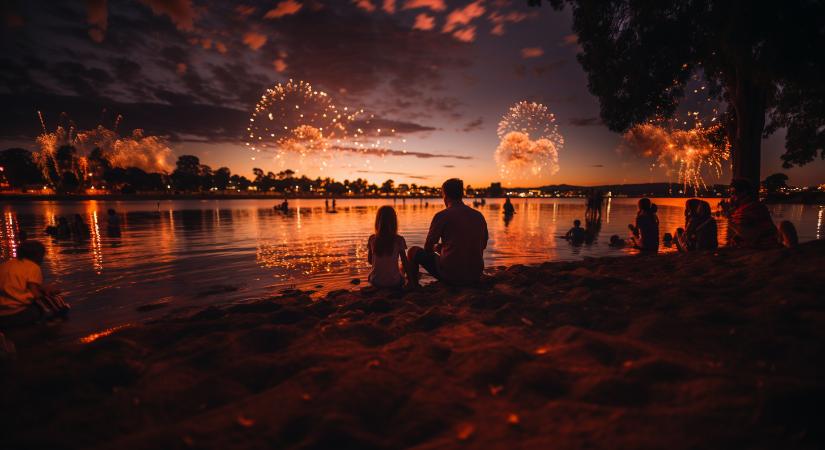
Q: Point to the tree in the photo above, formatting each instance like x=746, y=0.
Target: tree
x=773, y=183
x=259, y=174
x=241, y=183
x=69, y=183
x=221, y=178
x=66, y=157
x=187, y=175
x=97, y=163
x=336, y=188
x=386, y=187
x=765, y=59
x=205, y=175
x=19, y=167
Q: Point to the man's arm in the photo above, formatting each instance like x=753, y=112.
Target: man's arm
x=486, y=236
x=433, y=236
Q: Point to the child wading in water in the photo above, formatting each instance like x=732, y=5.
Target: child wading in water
x=385, y=248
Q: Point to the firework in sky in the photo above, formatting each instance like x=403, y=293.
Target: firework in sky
x=529, y=144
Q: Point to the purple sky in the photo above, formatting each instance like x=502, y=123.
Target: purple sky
x=443, y=71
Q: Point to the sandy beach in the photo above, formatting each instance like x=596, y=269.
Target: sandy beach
x=719, y=350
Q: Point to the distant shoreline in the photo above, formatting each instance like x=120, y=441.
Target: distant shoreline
x=276, y=197
x=815, y=199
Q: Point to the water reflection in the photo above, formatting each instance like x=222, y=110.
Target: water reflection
x=177, y=249
x=8, y=249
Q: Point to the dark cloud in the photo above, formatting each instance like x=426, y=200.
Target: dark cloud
x=179, y=122
x=173, y=55
x=125, y=69
x=399, y=174
x=448, y=166
x=391, y=152
x=473, y=125
x=597, y=165
x=584, y=121
x=538, y=70
x=83, y=80
x=349, y=51
x=389, y=127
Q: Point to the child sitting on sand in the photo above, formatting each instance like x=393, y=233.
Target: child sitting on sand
x=23, y=298
x=385, y=248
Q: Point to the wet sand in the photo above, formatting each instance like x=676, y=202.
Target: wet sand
x=717, y=350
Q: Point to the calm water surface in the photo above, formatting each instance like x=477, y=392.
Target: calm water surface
x=186, y=253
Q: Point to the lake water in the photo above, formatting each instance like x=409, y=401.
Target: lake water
x=187, y=253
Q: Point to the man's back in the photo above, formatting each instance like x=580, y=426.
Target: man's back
x=463, y=233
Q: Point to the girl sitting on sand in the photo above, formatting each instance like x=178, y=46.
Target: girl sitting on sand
x=385, y=248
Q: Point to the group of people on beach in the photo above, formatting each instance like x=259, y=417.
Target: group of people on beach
x=454, y=247
x=749, y=225
x=453, y=251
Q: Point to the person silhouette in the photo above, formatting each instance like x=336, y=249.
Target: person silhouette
x=509, y=209
x=454, y=249
x=576, y=235
x=645, y=232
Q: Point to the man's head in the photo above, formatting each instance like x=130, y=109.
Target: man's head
x=741, y=190
x=31, y=250
x=644, y=204
x=453, y=191
x=577, y=223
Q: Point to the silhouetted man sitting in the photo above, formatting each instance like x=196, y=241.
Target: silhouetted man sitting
x=455, y=243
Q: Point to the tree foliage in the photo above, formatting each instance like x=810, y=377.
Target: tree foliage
x=775, y=182
x=765, y=59
x=20, y=168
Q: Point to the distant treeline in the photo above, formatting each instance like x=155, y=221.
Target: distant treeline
x=68, y=173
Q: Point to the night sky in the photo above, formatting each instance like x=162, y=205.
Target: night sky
x=441, y=72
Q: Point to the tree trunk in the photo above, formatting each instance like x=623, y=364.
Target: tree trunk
x=749, y=100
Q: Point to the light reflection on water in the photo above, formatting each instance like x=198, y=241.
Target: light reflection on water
x=195, y=252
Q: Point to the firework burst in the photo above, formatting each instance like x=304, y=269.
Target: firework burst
x=688, y=147
x=146, y=152
x=529, y=143
x=293, y=118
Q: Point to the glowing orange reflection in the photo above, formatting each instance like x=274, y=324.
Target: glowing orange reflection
x=95, y=336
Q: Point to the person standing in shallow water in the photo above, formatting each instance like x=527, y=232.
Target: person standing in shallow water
x=385, y=249
x=509, y=209
x=454, y=249
x=646, y=229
